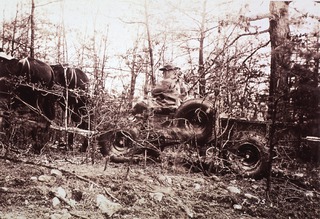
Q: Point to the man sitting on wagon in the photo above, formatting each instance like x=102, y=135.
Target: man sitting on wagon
x=168, y=93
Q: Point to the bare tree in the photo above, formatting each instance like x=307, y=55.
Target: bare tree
x=14, y=31
x=280, y=58
x=150, y=48
x=32, y=37
x=134, y=60
x=201, y=73
x=62, y=53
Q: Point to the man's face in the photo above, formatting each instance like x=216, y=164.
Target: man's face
x=168, y=73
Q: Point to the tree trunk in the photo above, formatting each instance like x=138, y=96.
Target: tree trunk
x=280, y=64
x=14, y=31
x=132, y=83
x=60, y=28
x=32, y=30
x=146, y=82
x=201, y=73
x=153, y=80
x=104, y=59
x=280, y=59
x=59, y=45
x=65, y=46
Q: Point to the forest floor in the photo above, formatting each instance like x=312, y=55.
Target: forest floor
x=61, y=185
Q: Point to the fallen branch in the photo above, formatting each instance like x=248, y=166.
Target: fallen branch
x=122, y=159
x=313, y=138
x=84, y=132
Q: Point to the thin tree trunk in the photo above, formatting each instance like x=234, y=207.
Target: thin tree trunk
x=65, y=46
x=66, y=117
x=153, y=80
x=32, y=30
x=59, y=45
x=104, y=59
x=146, y=82
x=3, y=29
x=59, y=35
x=14, y=31
x=317, y=62
x=201, y=73
x=132, y=83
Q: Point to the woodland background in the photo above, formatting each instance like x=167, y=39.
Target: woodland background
x=255, y=60
x=224, y=48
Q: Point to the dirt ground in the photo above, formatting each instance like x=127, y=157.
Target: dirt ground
x=67, y=185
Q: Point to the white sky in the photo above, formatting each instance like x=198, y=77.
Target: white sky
x=82, y=14
x=85, y=15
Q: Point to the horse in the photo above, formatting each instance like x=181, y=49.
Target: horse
x=76, y=81
x=26, y=82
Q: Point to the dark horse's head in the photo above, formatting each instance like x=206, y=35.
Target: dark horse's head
x=28, y=79
x=75, y=78
x=76, y=81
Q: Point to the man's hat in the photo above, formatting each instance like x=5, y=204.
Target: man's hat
x=168, y=68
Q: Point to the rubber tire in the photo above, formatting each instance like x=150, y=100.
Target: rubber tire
x=191, y=111
x=249, y=155
x=119, y=141
x=123, y=140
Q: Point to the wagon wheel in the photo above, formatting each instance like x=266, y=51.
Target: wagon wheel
x=200, y=116
x=123, y=141
x=249, y=155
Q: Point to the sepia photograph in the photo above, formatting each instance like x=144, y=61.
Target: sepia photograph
x=159, y=109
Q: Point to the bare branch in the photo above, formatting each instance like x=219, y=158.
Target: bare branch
x=238, y=37
x=131, y=22
x=258, y=17
x=264, y=45
x=44, y=4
